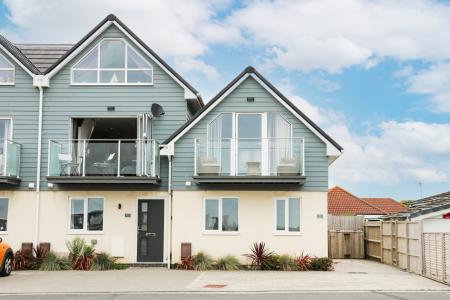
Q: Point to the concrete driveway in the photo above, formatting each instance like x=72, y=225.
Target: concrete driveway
x=350, y=275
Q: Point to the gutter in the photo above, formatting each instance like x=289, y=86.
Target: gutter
x=170, y=210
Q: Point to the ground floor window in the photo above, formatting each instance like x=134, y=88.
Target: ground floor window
x=86, y=214
x=221, y=214
x=287, y=215
x=3, y=214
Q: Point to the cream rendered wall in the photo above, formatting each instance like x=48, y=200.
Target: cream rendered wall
x=54, y=219
x=21, y=217
x=256, y=223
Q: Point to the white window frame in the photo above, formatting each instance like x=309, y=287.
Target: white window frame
x=5, y=232
x=98, y=69
x=13, y=68
x=219, y=231
x=286, y=216
x=5, y=142
x=85, y=216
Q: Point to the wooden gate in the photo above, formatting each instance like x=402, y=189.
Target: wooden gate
x=346, y=236
x=436, y=256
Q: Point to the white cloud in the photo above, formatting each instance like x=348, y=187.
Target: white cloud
x=175, y=29
x=333, y=35
x=435, y=82
x=400, y=151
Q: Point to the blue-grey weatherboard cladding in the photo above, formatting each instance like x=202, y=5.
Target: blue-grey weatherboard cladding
x=316, y=162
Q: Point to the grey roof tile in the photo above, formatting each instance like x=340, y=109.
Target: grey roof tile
x=43, y=56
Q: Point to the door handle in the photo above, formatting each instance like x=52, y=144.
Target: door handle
x=150, y=234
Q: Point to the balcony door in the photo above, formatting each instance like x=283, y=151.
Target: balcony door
x=251, y=144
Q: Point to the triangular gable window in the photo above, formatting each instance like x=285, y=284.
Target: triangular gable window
x=111, y=62
x=7, y=71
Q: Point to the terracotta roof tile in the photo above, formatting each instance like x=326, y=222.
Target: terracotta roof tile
x=388, y=205
x=342, y=202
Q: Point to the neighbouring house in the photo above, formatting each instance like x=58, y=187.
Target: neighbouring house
x=341, y=202
x=433, y=212
x=104, y=140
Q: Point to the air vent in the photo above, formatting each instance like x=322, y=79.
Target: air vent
x=111, y=108
x=250, y=99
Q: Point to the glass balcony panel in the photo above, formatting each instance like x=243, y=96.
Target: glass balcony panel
x=9, y=158
x=103, y=158
x=249, y=157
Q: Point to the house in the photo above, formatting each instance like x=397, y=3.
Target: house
x=433, y=212
x=104, y=140
x=342, y=202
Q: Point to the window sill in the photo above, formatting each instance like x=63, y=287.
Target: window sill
x=85, y=232
x=3, y=232
x=111, y=84
x=231, y=233
x=8, y=84
x=287, y=233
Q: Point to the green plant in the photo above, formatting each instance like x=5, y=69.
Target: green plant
x=103, y=261
x=120, y=266
x=40, y=253
x=81, y=254
x=53, y=262
x=303, y=262
x=202, y=262
x=260, y=257
x=321, y=264
x=286, y=263
x=228, y=263
x=187, y=263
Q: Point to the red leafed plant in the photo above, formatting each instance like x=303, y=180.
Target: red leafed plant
x=260, y=257
x=40, y=253
x=23, y=260
x=303, y=262
x=187, y=263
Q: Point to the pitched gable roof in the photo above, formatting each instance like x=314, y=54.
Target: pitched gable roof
x=250, y=71
x=342, y=202
x=19, y=56
x=388, y=205
x=105, y=23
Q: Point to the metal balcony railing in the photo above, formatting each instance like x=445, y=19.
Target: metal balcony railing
x=95, y=157
x=250, y=157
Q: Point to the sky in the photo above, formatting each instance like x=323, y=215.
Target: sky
x=375, y=75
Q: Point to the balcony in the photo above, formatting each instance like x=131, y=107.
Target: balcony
x=9, y=162
x=103, y=161
x=249, y=161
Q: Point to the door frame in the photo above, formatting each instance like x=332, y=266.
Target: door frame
x=166, y=249
x=264, y=144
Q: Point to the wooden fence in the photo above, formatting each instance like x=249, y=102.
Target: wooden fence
x=396, y=243
x=346, y=236
x=436, y=256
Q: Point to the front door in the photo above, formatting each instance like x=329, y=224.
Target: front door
x=150, y=236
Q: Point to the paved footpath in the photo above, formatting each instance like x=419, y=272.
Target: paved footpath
x=374, y=279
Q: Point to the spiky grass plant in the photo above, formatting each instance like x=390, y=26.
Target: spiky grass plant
x=202, y=262
x=80, y=254
x=228, y=263
x=103, y=261
x=287, y=263
x=53, y=262
x=260, y=257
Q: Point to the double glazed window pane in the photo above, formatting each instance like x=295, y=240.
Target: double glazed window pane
x=222, y=211
x=281, y=218
x=294, y=214
x=288, y=218
x=3, y=214
x=212, y=214
x=112, y=54
x=230, y=214
x=112, y=76
x=95, y=214
x=77, y=214
x=92, y=220
x=144, y=76
x=6, y=76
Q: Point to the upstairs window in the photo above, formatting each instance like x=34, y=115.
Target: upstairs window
x=111, y=62
x=7, y=71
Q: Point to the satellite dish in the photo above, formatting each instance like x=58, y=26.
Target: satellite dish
x=157, y=110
